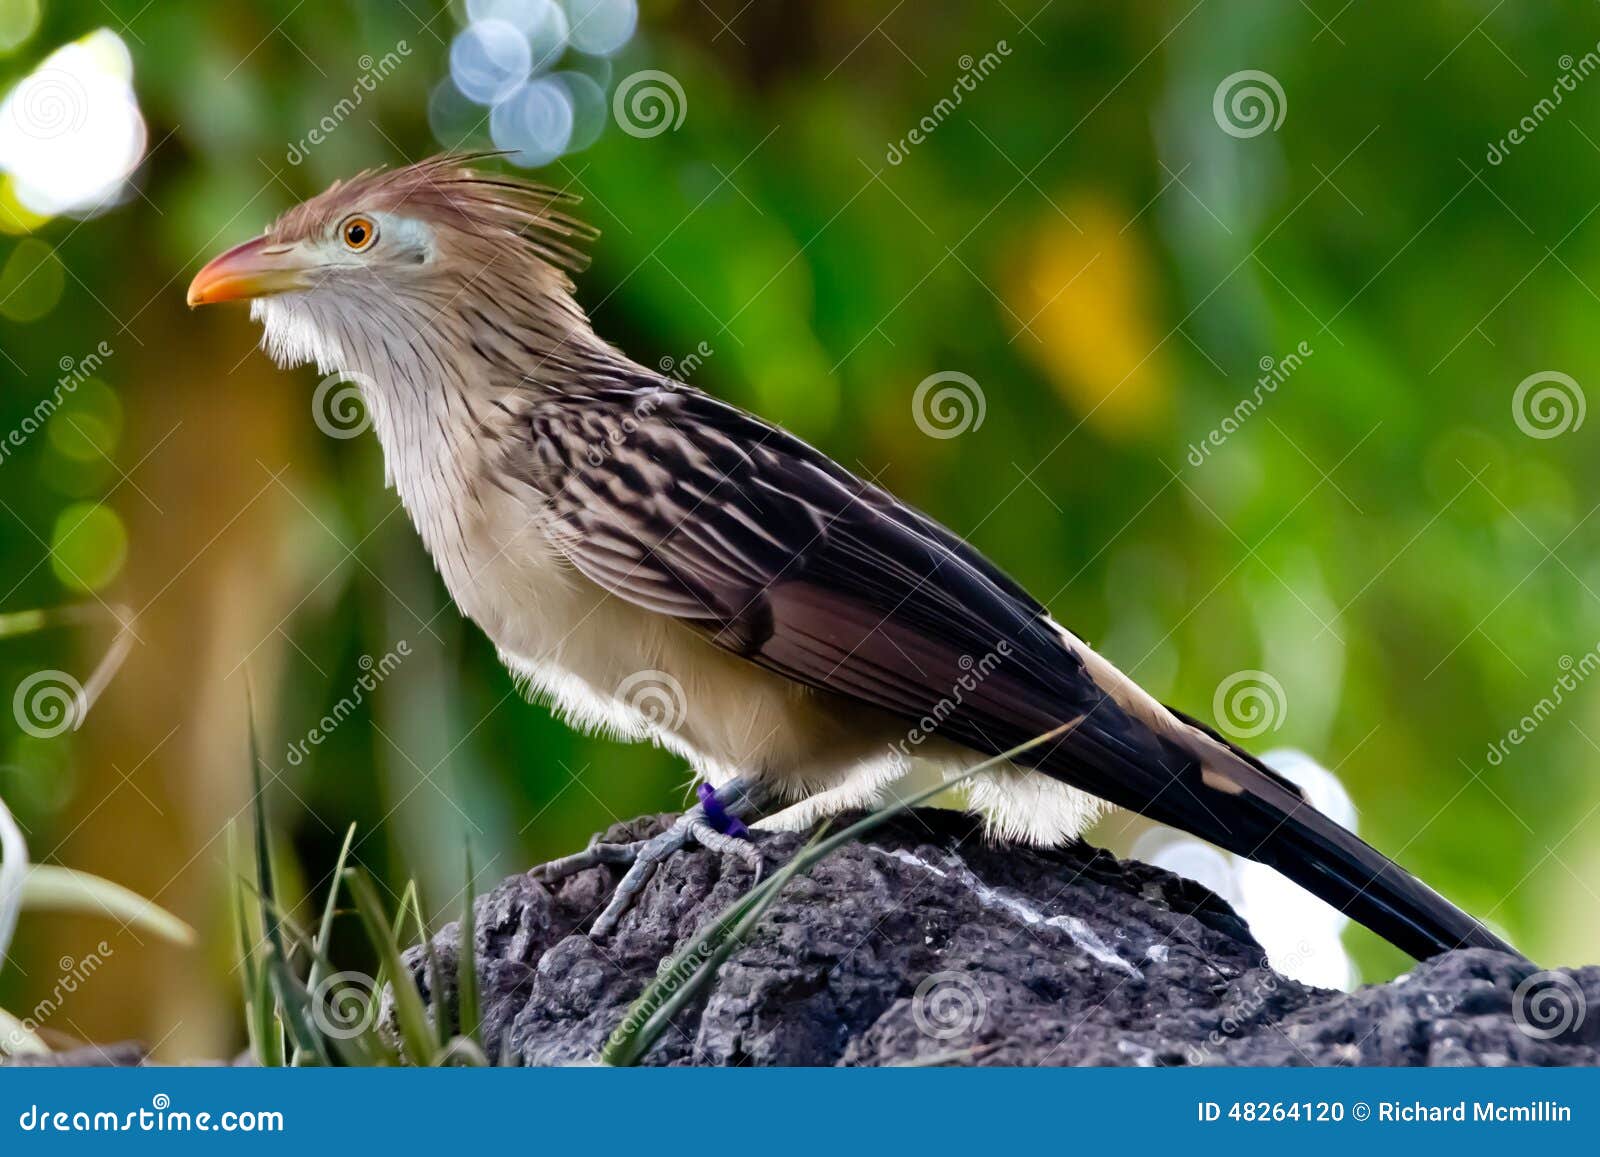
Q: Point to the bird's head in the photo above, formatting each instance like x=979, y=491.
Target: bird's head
x=397, y=254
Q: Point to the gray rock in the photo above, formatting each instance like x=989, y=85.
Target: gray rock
x=125, y=1054
x=925, y=944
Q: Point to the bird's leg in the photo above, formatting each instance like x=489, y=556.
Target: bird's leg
x=717, y=823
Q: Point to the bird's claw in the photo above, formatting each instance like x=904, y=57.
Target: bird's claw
x=643, y=857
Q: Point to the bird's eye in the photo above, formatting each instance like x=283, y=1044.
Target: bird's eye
x=359, y=233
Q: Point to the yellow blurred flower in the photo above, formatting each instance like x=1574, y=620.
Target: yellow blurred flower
x=1081, y=310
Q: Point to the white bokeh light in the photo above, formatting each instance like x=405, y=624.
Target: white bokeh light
x=71, y=131
x=541, y=67
x=602, y=27
x=547, y=38
x=589, y=110
x=524, y=14
x=489, y=59
x=1301, y=934
x=535, y=122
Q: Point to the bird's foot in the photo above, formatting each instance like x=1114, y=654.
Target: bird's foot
x=712, y=824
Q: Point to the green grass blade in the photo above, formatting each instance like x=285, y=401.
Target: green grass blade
x=319, y=948
x=409, y=905
x=468, y=1016
x=410, y=1011
x=690, y=970
x=359, y=1047
x=54, y=888
x=244, y=946
x=265, y=889
x=435, y=975
x=294, y=1009
x=294, y=1014
x=270, y=1048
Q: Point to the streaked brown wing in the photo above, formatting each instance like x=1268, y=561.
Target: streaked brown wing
x=702, y=512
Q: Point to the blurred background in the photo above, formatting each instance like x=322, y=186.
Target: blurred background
x=1254, y=339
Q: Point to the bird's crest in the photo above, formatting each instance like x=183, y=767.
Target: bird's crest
x=451, y=190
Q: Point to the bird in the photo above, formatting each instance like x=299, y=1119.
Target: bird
x=601, y=521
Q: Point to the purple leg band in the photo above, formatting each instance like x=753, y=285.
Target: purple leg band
x=717, y=815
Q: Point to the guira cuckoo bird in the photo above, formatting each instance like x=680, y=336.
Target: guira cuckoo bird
x=598, y=519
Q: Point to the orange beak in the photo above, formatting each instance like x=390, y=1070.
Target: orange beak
x=254, y=269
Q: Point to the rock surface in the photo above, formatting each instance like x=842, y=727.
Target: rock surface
x=125, y=1054
x=923, y=944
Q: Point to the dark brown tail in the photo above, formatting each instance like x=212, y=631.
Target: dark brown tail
x=1225, y=795
x=1295, y=838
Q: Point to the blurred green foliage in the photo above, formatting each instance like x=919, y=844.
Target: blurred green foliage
x=1078, y=235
